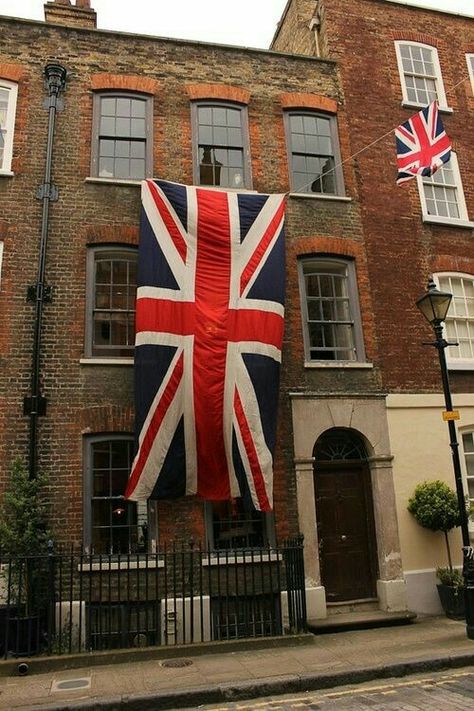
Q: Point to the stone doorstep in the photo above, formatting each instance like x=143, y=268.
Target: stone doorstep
x=365, y=619
x=44, y=664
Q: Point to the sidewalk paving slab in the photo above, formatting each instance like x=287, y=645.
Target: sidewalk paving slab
x=240, y=672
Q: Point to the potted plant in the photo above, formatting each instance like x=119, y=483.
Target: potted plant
x=435, y=506
x=23, y=548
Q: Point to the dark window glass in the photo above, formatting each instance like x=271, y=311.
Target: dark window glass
x=122, y=137
x=330, y=318
x=114, y=525
x=313, y=164
x=220, y=145
x=113, y=307
x=235, y=528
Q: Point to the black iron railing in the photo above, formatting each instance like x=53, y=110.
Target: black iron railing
x=68, y=602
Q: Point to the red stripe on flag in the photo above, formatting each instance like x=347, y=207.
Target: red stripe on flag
x=169, y=221
x=259, y=253
x=154, y=426
x=254, y=325
x=165, y=316
x=212, y=290
x=252, y=456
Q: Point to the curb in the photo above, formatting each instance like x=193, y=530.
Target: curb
x=41, y=665
x=265, y=686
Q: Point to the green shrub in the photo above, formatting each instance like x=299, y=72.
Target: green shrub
x=23, y=515
x=452, y=577
x=435, y=506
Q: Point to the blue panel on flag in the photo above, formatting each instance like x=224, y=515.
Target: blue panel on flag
x=176, y=195
x=249, y=209
x=271, y=282
x=153, y=269
x=171, y=484
x=265, y=376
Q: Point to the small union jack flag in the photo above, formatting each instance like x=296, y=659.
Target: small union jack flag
x=422, y=144
x=209, y=330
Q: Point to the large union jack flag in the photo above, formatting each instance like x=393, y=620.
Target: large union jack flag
x=422, y=144
x=209, y=329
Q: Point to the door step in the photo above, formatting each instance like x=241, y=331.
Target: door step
x=362, y=620
x=341, y=608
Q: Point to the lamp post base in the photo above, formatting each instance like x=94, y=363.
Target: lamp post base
x=468, y=573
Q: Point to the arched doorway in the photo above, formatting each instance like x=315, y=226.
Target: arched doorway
x=344, y=515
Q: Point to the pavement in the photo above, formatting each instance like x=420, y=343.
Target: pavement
x=188, y=677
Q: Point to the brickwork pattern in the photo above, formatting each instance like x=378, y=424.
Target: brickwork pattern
x=91, y=399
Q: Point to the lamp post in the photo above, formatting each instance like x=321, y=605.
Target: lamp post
x=434, y=305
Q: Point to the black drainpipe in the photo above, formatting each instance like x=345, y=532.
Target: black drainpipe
x=35, y=405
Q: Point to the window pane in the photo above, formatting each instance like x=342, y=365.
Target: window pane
x=235, y=528
x=107, y=126
x=123, y=117
x=138, y=108
x=107, y=107
x=106, y=167
x=123, y=107
x=205, y=115
x=312, y=157
x=330, y=327
x=219, y=127
x=113, y=520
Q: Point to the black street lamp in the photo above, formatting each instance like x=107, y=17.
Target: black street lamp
x=434, y=305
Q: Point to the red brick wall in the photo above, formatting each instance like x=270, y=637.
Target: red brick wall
x=401, y=250
x=92, y=399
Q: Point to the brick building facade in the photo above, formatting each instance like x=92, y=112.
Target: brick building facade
x=394, y=59
x=354, y=373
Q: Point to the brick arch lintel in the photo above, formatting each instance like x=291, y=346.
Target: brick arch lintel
x=123, y=234
x=316, y=244
x=451, y=263
x=420, y=37
x=124, y=82
x=222, y=92
x=106, y=418
x=11, y=72
x=299, y=100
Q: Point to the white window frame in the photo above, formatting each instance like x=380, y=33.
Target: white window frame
x=470, y=68
x=466, y=430
x=246, y=154
x=336, y=153
x=97, y=135
x=145, y=511
x=463, y=219
x=89, y=354
x=5, y=165
x=354, y=307
x=455, y=363
x=438, y=78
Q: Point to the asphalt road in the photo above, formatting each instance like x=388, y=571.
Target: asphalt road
x=444, y=691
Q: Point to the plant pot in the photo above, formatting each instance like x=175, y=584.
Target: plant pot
x=23, y=636
x=452, y=601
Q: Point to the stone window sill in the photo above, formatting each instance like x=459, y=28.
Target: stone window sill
x=418, y=107
x=106, y=361
x=6, y=174
x=113, y=181
x=321, y=196
x=448, y=221
x=338, y=364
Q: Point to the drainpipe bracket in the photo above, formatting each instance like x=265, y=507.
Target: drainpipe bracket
x=34, y=405
x=56, y=102
x=48, y=190
x=39, y=292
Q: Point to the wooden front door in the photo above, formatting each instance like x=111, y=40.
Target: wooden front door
x=346, y=535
